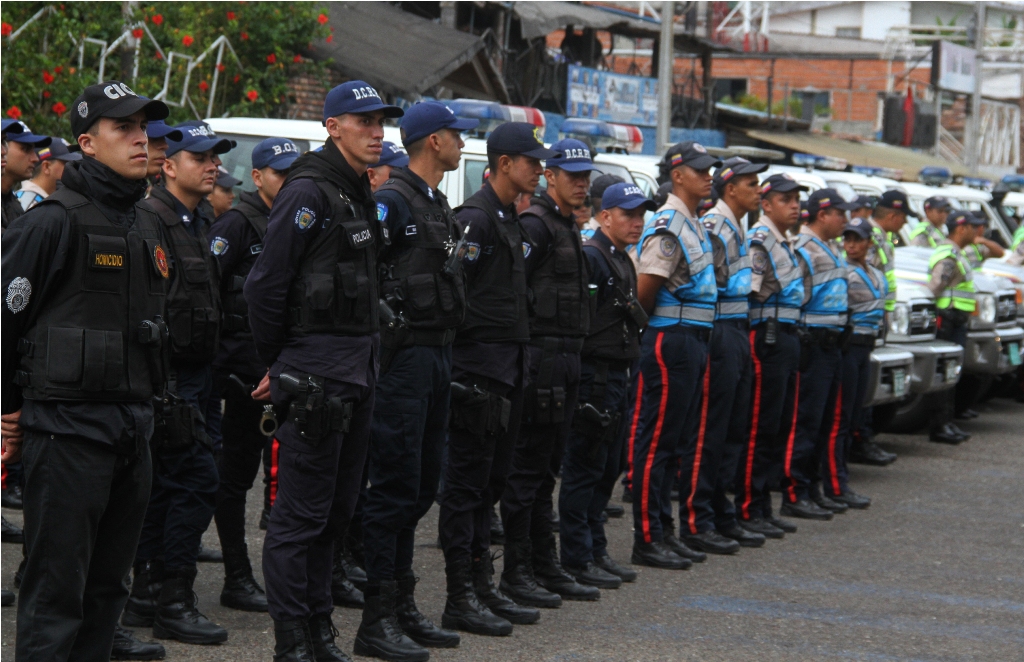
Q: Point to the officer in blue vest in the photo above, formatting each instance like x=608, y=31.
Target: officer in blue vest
x=866, y=293
x=824, y=318
x=709, y=517
x=676, y=285
x=776, y=294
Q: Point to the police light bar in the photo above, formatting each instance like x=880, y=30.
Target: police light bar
x=935, y=176
x=977, y=182
x=1014, y=182
x=604, y=135
x=492, y=113
x=878, y=171
x=811, y=161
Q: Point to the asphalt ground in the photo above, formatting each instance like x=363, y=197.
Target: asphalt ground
x=934, y=570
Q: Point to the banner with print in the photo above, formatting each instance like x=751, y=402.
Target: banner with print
x=611, y=97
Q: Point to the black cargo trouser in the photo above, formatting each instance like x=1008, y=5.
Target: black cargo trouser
x=84, y=507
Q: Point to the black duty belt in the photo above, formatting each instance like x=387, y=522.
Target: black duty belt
x=862, y=340
x=824, y=336
x=558, y=344
x=741, y=324
x=431, y=337
x=701, y=332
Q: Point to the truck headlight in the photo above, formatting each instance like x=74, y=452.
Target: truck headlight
x=987, y=308
x=899, y=320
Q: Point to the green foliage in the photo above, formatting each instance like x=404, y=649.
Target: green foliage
x=42, y=76
x=753, y=102
x=795, y=107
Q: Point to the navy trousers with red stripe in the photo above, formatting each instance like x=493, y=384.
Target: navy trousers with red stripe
x=817, y=422
x=856, y=373
x=771, y=421
x=708, y=471
x=314, y=488
x=672, y=365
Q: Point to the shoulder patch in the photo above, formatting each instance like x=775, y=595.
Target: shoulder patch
x=304, y=218
x=219, y=246
x=668, y=246
x=662, y=219
x=382, y=212
x=527, y=249
x=160, y=261
x=758, y=261
x=18, y=294
x=472, y=251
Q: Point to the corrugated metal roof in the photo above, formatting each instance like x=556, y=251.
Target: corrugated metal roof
x=857, y=153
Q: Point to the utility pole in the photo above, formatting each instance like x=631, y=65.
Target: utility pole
x=127, y=52
x=666, y=59
x=974, y=147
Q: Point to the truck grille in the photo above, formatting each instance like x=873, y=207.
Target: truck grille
x=922, y=319
x=1006, y=308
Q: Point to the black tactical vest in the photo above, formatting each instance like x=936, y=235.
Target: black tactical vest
x=86, y=344
x=558, y=284
x=335, y=290
x=614, y=333
x=235, y=312
x=193, y=300
x=496, y=299
x=427, y=294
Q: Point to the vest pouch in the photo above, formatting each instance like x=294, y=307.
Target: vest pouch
x=569, y=309
x=195, y=273
x=107, y=260
x=353, y=284
x=447, y=295
x=102, y=360
x=566, y=261
x=545, y=303
x=174, y=424
x=421, y=292
x=470, y=409
x=64, y=355
x=318, y=301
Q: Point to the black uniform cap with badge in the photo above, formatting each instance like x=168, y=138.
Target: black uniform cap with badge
x=896, y=200
x=112, y=99
x=734, y=167
x=518, y=139
x=827, y=198
x=688, y=153
x=781, y=182
x=961, y=217
x=860, y=227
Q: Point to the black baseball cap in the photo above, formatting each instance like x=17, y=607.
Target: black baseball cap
x=111, y=99
x=11, y=126
x=730, y=168
x=938, y=202
x=893, y=199
x=601, y=184
x=858, y=226
x=17, y=131
x=780, y=183
x=826, y=198
x=688, y=153
x=161, y=129
x=198, y=137
x=864, y=202
x=58, y=150
x=961, y=217
x=516, y=138
x=225, y=180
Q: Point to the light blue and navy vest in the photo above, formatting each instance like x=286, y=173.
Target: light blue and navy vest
x=866, y=316
x=828, y=305
x=692, y=303
x=785, y=304
x=733, y=297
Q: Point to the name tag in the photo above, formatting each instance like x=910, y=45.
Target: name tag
x=256, y=249
x=108, y=260
x=361, y=238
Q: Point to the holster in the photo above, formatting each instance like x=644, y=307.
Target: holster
x=479, y=412
x=805, y=347
x=176, y=423
x=312, y=413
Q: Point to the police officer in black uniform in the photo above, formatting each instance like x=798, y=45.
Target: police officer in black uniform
x=84, y=276
x=184, y=470
x=487, y=375
x=236, y=240
x=314, y=313
x=21, y=160
x=422, y=283
x=559, y=319
x=593, y=455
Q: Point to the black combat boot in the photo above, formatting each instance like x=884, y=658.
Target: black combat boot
x=140, y=609
x=343, y=592
x=415, y=624
x=127, y=647
x=463, y=611
x=379, y=634
x=492, y=598
x=291, y=642
x=345, y=558
x=240, y=588
x=177, y=616
x=518, y=582
x=551, y=575
x=321, y=636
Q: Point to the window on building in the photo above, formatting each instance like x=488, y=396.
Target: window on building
x=848, y=33
x=733, y=88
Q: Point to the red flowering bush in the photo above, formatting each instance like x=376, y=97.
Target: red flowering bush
x=187, y=40
x=59, y=108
